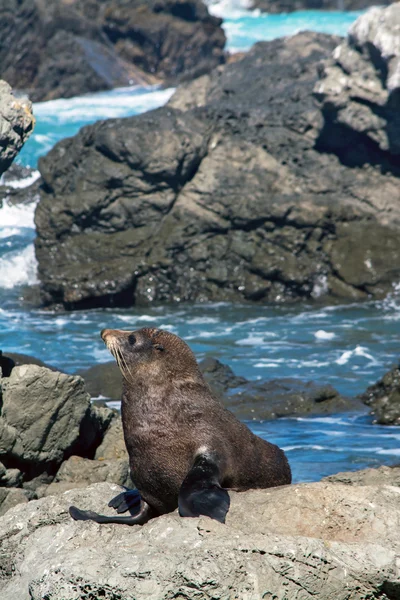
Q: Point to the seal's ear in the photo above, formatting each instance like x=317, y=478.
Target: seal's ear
x=159, y=347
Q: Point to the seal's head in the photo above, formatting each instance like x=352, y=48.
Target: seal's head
x=151, y=352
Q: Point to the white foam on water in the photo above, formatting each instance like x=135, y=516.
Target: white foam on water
x=328, y=420
x=321, y=334
x=101, y=355
x=60, y=322
x=9, y=232
x=393, y=451
x=17, y=215
x=103, y=105
x=230, y=8
x=202, y=321
x=113, y=404
x=333, y=432
x=251, y=340
x=23, y=183
x=18, y=268
x=312, y=447
x=358, y=351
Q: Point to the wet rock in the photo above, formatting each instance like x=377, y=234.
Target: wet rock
x=380, y=476
x=326, y=540
x=286, y=397
x=226, y=194
x=219, y=377
x=6, y=366
x=384, y=398
x=9, y=360
x=103, y=381
x=45, y=417
x=16, y=124
x=63, y=49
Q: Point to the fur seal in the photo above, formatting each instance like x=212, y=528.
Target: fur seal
x=185, y=449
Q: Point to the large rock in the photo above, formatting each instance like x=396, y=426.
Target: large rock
x=360, y=93
x=16, y=124
x=384, y=398
x=225, y=195
x=46, y=417
x=319, y=540
x=62, y=49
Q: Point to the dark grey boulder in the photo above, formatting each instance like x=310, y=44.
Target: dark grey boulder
x=383, y=398
x=226, y=194
x=63, y=49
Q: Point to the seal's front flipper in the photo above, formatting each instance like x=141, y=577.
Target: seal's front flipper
x=144, y=514
x=201, y=493
x=128, y=500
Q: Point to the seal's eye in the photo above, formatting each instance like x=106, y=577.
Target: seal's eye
x=132, y=339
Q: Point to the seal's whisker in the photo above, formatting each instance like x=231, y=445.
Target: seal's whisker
x=126, y=366
x=121, y=362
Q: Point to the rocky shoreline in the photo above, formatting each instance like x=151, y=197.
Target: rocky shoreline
x=53, y=438
x=304, y=541
x=230, y=193
x=340, y=535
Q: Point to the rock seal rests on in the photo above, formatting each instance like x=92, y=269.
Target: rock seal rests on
x=185, y=449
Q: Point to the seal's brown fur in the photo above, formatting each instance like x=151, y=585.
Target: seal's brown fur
x=170, y=416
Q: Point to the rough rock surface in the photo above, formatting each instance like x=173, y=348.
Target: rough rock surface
x=360, y=93
x=305, y=541
x=16, y=124
x=381, y=476
x=279, y=6
x=63, y=48
x=46, y=417
x=229, y=193
x=384, y=398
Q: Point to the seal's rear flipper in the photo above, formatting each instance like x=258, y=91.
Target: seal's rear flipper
x=144, y=514
x=201, y=493
x=128, y=500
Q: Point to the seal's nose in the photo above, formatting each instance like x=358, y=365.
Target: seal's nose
x=104, y=333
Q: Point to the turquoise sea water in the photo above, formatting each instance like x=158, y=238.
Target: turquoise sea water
x=349, y=346
x=244, y=31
